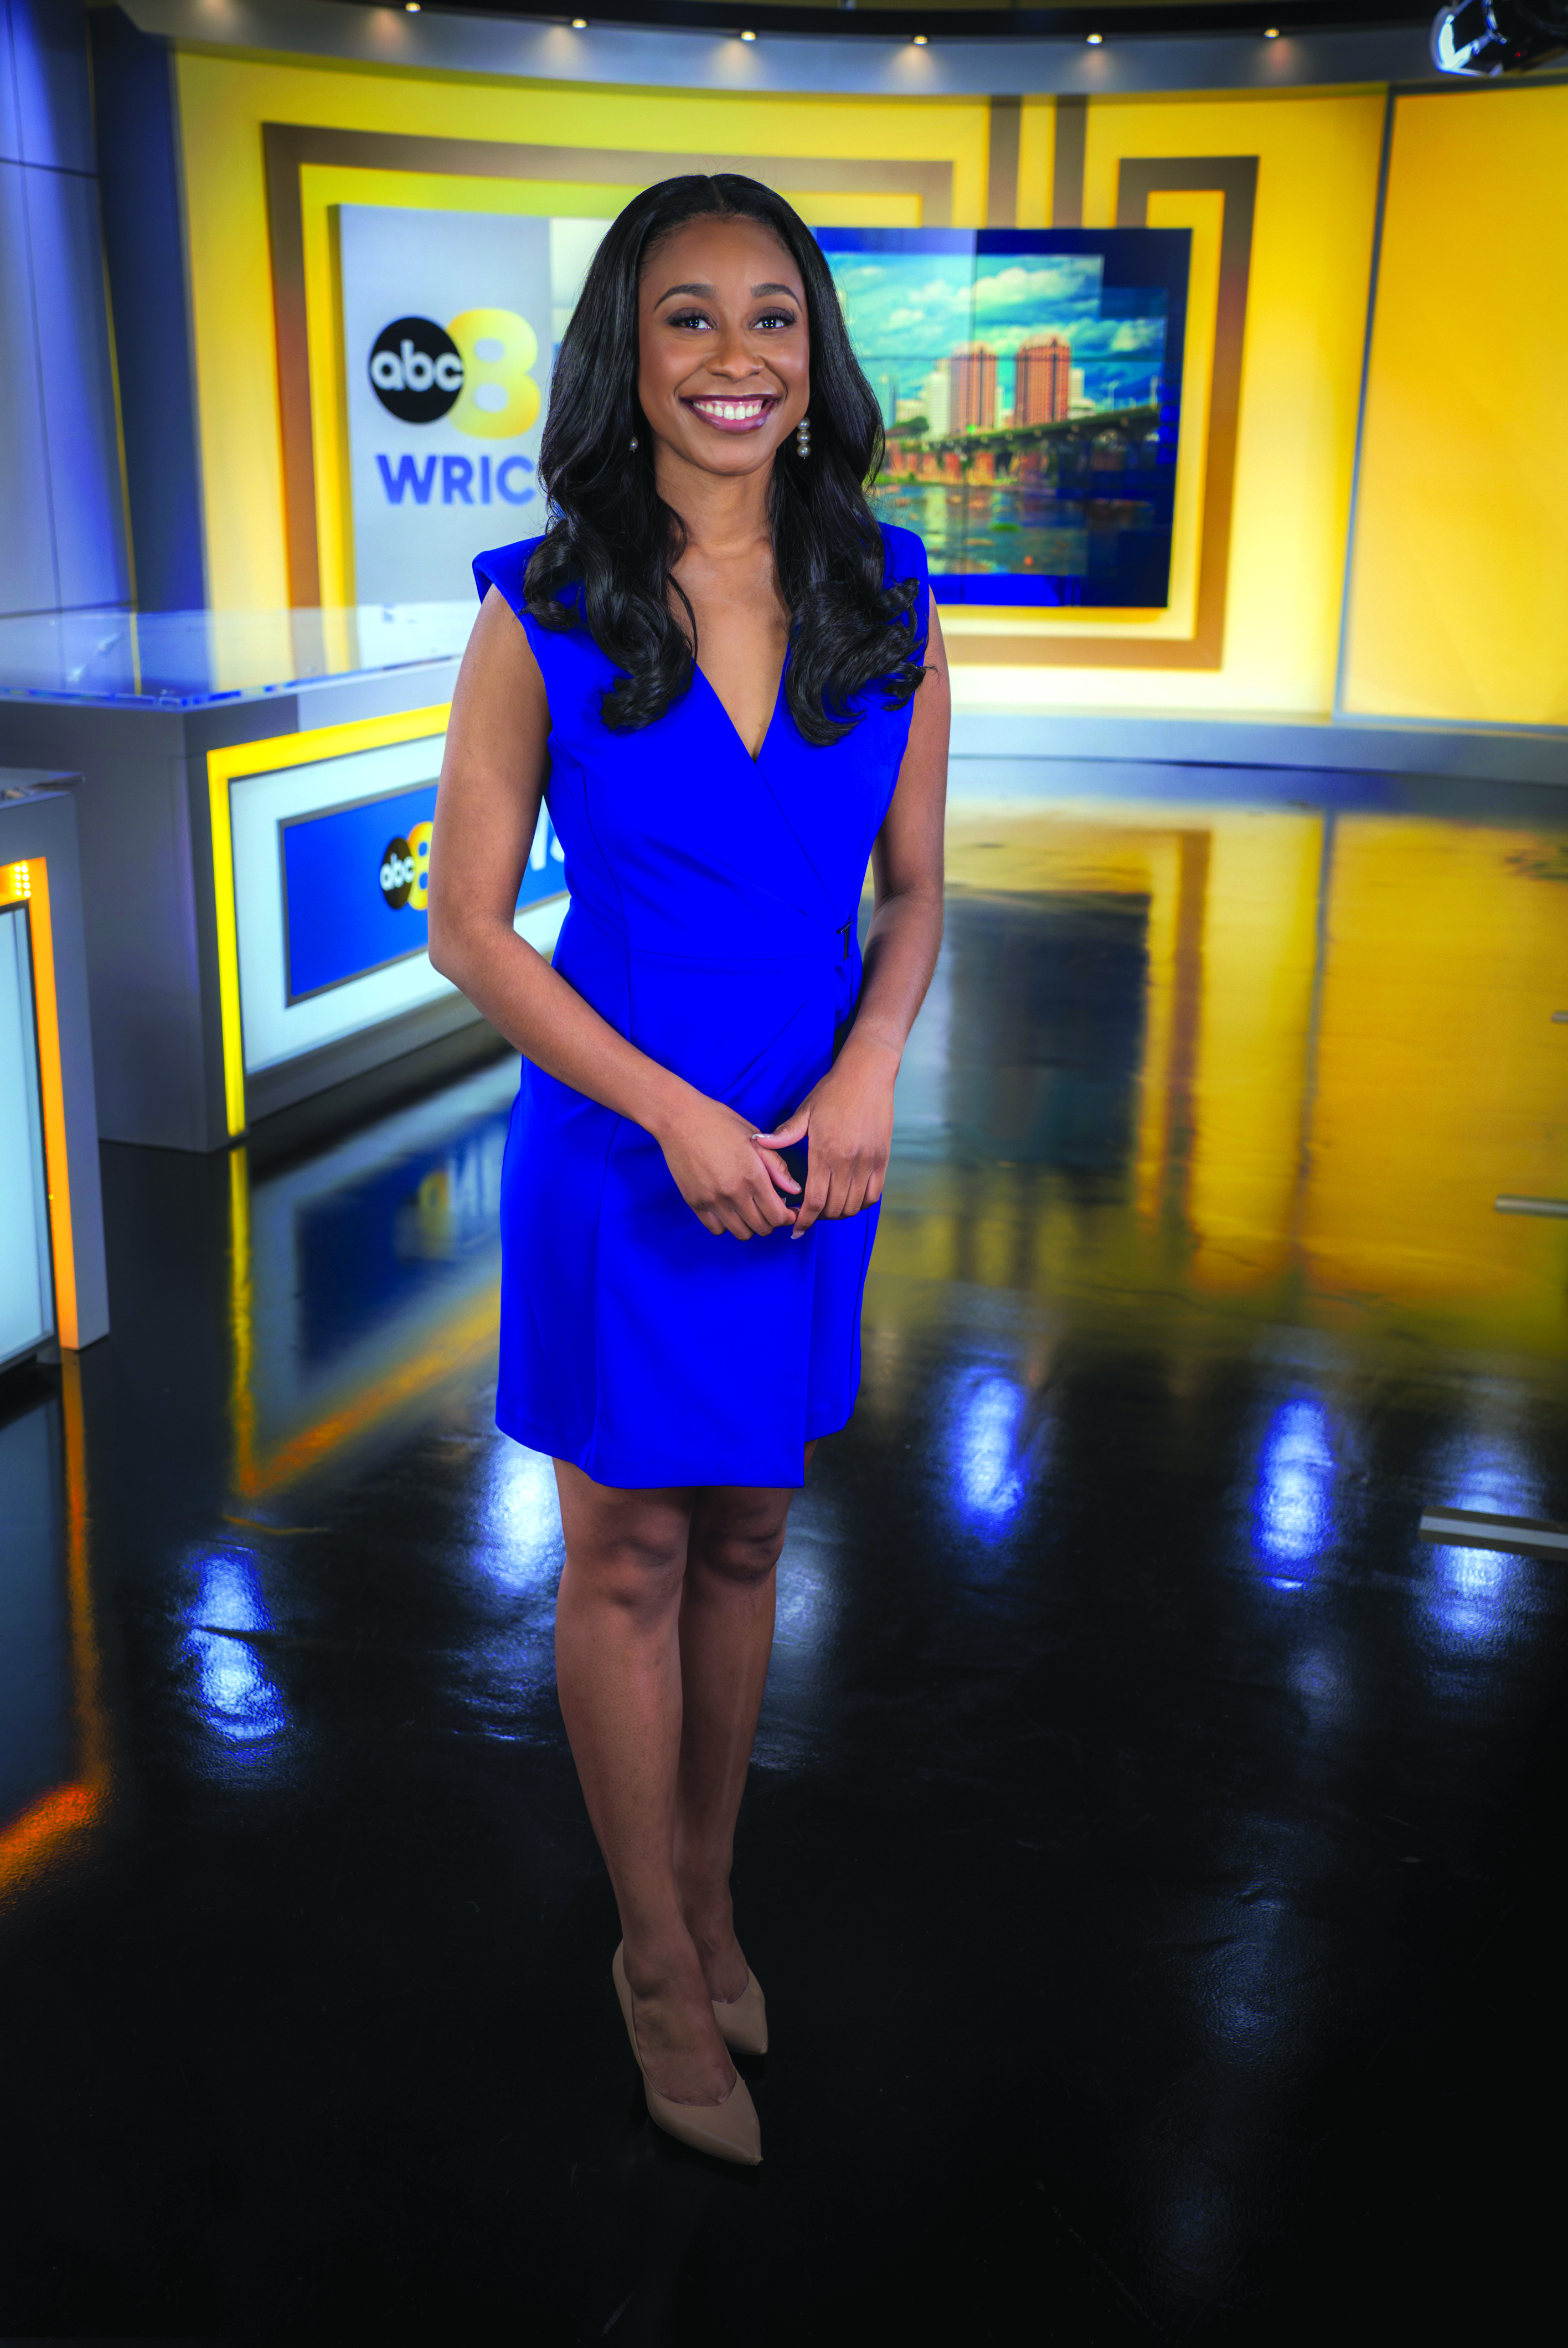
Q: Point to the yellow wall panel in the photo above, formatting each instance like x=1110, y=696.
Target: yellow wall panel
x=224, y=99
x=1036, y=161
x=1460, y=591
x=324, y=186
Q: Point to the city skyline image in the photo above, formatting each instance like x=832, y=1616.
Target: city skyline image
x=912, y=314
x=1029, y=386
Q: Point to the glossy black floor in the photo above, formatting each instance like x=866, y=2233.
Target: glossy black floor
x=1153, y=1849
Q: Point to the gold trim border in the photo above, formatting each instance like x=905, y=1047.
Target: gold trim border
x=287, y=148
x=270, y=756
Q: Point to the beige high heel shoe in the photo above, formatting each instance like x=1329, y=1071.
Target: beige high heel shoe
x=730, y=2130
x=743, y=2020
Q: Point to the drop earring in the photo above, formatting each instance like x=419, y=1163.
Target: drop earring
x=802, y=435
x=632, y=443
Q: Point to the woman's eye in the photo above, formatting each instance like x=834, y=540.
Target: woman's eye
x=688, y=318
x=776, y=318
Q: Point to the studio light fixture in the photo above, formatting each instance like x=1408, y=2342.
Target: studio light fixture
x=1483, y=38
x=411, y=8
x=1271, y=31
x=748, y=37
x=922, y=40
x=1095, y=39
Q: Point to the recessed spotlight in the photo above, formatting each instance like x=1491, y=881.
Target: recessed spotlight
x=1095, y=39
x=748, y=37
x=411, y=8
x=922, y=40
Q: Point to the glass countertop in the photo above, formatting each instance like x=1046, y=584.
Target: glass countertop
x=189, y=660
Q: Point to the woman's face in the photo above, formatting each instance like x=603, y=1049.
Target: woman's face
x=723, y=355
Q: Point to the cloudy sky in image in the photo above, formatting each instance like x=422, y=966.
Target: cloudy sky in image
x=909, y=309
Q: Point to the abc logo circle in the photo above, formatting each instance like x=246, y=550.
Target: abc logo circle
x=416, y=370
x=405, y=874
x=398, y=871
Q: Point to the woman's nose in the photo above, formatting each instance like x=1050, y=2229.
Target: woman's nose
x=734, y=357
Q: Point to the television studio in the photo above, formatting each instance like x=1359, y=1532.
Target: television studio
x=1147, y=1681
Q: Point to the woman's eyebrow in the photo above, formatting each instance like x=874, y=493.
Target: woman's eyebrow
x=708, y=291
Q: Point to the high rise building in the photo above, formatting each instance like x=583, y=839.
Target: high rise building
x=937, y=400
x=1043, y=389
x=972, y=373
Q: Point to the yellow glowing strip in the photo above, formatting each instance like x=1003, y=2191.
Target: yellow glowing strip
x=225, y=766
x=28, y=884
x=242, y=1406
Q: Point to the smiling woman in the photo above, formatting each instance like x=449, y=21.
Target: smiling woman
x=649, y=365
x=729, y=681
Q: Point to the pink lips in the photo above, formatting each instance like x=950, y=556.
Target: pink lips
x=748, y=412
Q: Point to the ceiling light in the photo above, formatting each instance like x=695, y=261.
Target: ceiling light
x=748, y=37
x=1095, y=39
x=411, y=8
x=922, y=40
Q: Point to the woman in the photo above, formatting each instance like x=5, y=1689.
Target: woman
x=728, y=683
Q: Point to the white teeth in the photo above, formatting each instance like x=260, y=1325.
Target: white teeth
x=733, y=411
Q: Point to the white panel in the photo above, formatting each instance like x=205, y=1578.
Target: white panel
x=78, y=391
x=26, y=1302
x=274, y=1029
x=429, y=496
x=27, y=578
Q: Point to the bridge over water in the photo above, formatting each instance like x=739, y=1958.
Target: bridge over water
x=980, y=454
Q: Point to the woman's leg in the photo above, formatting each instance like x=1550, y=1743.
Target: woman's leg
x=619, y=1674
x=726, y=1638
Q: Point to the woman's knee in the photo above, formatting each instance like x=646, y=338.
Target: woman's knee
x=740, y=1547
x=628, y=1550
x=636, y=1578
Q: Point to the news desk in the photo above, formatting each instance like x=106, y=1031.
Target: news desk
x=254, y=816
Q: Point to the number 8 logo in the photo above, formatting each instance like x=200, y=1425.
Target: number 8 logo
x=499, y=399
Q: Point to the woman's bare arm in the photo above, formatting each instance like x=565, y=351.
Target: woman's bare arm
x=487, y=810
x=848, y=1116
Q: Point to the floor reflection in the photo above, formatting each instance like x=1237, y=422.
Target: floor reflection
x=1132, y=1788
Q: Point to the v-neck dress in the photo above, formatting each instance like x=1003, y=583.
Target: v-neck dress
x=713, y=923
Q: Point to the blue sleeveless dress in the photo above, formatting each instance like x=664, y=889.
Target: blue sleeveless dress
x=712, y=923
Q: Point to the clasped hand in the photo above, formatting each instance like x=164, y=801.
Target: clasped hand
x=734, y=1179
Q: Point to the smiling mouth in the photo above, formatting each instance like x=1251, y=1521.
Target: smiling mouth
x=744, y=414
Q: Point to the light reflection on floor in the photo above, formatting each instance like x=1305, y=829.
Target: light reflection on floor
x=1106, y=1642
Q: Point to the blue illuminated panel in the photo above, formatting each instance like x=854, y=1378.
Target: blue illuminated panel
x=356, y=884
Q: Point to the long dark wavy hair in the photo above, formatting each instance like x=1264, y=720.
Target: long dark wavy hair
x=607, y=558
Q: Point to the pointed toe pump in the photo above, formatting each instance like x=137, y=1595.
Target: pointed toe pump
x=730, y=2130
x=743, y=2020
